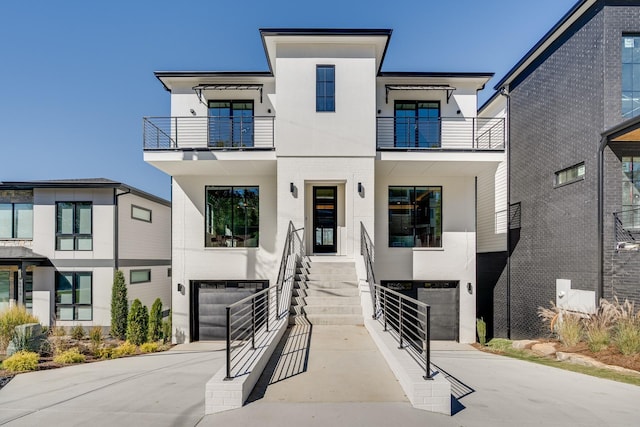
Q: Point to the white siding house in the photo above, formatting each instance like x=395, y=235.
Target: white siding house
x=327, y=141
x=77, y=234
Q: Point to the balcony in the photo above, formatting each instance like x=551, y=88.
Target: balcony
x=440, y=134
x=627, y=229
x=208, y=133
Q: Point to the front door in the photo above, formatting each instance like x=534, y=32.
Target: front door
x=325, y=219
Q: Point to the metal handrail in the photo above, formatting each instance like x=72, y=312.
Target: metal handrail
x=367, y=250
x=440, y=133
x=252, y=317
x=626, y=237
x=409, y=321
x=208, y=132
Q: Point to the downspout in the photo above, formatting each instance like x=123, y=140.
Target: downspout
x=504, y=91
x=116, y=243
x=600, y=289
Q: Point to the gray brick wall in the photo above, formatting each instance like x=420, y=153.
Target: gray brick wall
x=558, y=110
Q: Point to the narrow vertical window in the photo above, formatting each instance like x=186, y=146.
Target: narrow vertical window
x=325, y=88
x=630, y=76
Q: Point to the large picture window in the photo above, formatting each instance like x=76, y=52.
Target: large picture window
x=232, y=217
x=16, y=221
x=415, y=217
x=325, y=88
x=630, y=76
x=73, y=296
x=74, y=226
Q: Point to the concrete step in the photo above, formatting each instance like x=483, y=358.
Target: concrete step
x=332, y=300
x=335, y=319
x=326, y=284
x=336, y=310
x=326, y=292
x=326, y=268
x=326, y=277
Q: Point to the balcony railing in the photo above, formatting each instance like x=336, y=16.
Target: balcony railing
x=215, y=133
x=627, y=229
x=440, y=133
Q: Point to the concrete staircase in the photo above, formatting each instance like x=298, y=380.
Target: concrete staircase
x=326, y=293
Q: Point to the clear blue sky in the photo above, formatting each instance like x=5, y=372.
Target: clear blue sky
x=77, y=76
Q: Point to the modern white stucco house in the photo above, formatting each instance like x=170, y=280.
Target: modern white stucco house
x=326, y=140
x=62, y=240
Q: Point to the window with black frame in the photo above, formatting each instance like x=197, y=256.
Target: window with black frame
x=232, y=217
x=74, y=226
x=16, y=221
x=73, y=295
x=325, y=88
x=231, y=124
x=417, y=124
x=630, y=75
x=415, y=217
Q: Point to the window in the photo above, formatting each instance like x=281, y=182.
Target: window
x=16, y=221
x=5, y=286
x=232, y=217
x=73, y=296
x=415, y=217
x=230, y=124
x=630, y=76
x=630, y=192
x=569, y=175
x=73, y=226
x=141, y=214
x=417, y=124
x=139, y=276
x=325, y=88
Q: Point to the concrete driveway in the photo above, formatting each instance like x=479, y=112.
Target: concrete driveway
x=167, y=389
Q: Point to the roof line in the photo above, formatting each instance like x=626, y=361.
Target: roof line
x=622, y=128
x=532, y=52
x=434, y=74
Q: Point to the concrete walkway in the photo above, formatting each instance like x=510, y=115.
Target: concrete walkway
x=167, y=389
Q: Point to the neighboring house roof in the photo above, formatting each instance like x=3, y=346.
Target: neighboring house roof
x=546, y=41
x=10, y=254
x=81, y=183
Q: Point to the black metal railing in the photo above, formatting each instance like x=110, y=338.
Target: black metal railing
x=627, y=229
x=213, y=132
x=367, y=250
x=440, y=133
x=409, y=321
x=249, y=321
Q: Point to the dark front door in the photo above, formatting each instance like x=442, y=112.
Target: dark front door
x=325, y=219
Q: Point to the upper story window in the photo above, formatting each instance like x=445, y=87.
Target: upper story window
x=415, y=217
x=16, y=221
x=232, y=217
x=417, y=124
x=140, y=213
x=74, y=226
x=325, y=88
x=630, y=76
x=231, y=124
x=569, y=175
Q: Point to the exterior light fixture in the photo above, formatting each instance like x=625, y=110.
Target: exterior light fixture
x=292, y=187
x=360, y=188
x=181, y=288
x=193, y=112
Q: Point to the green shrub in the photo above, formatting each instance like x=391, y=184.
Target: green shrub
x=119, y=309
x=77, y=332
x=569, y=329
x=155, y=321
x=166, y=329
x=137, y=323
x=481, y=327
x=57, y=341
x=500, y=344
x=125, y=349
x=627, y=336
x=9, y=319
x=21, y=361
x=149, y=347
x=70, y=356
x=95, y=335
x=103, y=353
x=598, y=337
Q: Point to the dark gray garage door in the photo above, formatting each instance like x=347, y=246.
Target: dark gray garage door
x=209, y=302
x=444, y=304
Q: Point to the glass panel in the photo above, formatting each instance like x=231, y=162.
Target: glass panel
x=6, y=221
x=219, y=201
x=246, y=216
x=401, y=217
x=630, y=76
x=5, y=285
x=83, y=313
x=64, y=313
x=84, y=243
x=243, y=124
x=219, y=124
x=24, y=221
x=65, y=218
x=64, y=288
x=28, y=290
x=83, y=288
x=140, y=276
x=325, y=88
x=83, y=218
x=428, y=126
x=140, y=213
x=64, y=243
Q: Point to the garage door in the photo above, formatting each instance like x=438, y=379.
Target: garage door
x=210, y=299
x=444, y=304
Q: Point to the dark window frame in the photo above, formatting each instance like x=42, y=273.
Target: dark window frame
x=323, y=92
x=76, y=235
x=629, y=79
x=14, y=218
x=142, y=209
x=557, y=175
x=414, y=226
x=437, y=123
x=132, y=282
x=74, y=289
x=250, y=142
x=209, y=214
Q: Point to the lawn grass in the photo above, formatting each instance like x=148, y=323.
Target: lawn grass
x=528, y=356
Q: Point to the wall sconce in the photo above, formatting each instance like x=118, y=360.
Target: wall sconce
x=269, y=110
x=379, y=111
x=360, y=188
x=469, y=288
x=193, y=112
x=181, y=288
x=292, y=187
